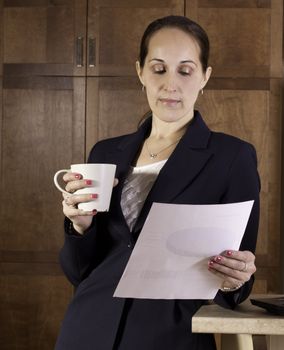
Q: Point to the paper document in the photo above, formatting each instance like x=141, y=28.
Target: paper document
x=170, y=258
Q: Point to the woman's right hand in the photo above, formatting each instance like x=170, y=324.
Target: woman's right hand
x=81, y=219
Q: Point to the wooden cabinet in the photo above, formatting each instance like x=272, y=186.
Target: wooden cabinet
x=244, y=98
x=54, y=56
x=44, y=38
x=67, y=79
x=115, y=28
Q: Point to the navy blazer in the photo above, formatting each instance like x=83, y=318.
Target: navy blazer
x=205, y=168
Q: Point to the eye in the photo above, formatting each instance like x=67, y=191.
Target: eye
x=158, y=69
x=185, y=71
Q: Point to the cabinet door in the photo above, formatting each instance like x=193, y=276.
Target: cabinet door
x=245, y=35
x=44, y=37
x=42, y=130
x=115, y=28
x=114, y=107
x=243, y=98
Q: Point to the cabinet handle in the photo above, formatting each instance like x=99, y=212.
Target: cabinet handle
x=92, y=52
x=79, y=51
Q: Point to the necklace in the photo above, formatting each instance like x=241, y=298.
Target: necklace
x=155, y=155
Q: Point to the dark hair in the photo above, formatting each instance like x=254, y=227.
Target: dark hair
x=180, y=22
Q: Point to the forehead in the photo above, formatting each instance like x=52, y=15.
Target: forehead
x=173, y=42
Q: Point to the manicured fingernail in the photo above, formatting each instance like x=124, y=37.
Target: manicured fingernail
x=211, y=263
x=77, y=176
x=229, y=252
x=88, y=182
x=94, y=195
x=95, y=212
x=218, y=258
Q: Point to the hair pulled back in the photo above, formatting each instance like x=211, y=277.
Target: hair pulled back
x=179, y=22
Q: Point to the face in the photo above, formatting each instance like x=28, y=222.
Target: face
x=172, y=75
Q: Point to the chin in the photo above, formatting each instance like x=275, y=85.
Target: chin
x=172, y=116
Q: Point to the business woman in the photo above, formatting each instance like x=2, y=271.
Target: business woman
x=172, y=158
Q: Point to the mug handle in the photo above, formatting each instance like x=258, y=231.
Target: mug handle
x=56, y=181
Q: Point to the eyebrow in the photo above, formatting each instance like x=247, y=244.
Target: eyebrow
x=184, y=61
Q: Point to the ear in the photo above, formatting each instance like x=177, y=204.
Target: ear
x=139, y=72
x=206, y=76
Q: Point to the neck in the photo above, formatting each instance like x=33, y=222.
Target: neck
x=168, y=130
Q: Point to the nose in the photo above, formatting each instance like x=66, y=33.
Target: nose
x=170, y=83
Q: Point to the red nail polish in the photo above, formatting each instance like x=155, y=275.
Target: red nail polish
x=77, y=176
x=211, y=263
x=88, y=182
x=94, y=195
x=218, y=258
x=229, y=252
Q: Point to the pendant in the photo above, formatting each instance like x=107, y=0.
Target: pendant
x=153, y=155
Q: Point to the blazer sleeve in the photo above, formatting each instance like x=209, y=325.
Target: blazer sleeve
x=243, y=184
x=80, y=254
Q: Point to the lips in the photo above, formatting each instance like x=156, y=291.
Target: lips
x=170, y=102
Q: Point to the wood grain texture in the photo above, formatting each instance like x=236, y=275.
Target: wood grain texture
x=248, y=68
x=1, y=38
x=235, y=3
x=243, y=49
x=115, y=107
x=117, y=26
x=1, y=75
x=31, y=310
x=25, y=45
x=251, y=45
x=254, y=115
x=49, y=38
x=38, y=137
x=276, y=53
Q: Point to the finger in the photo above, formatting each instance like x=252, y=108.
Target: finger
x=115, y=182
x=71, y=177
x=231, y=263
x=73, y=186
x=227, y=280
x=240, y=260
x=245, y=255
x=71, y=211
x=229, y=271
x=76, y=199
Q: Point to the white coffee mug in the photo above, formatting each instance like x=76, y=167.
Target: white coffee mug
x=102, y=176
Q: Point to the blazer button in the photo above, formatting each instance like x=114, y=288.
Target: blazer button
x=129, y=245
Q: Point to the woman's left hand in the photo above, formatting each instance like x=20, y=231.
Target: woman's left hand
x=233, y=267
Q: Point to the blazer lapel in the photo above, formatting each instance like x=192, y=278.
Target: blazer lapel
x=185, y=163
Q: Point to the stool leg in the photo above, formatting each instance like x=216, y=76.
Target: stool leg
x=236, y=342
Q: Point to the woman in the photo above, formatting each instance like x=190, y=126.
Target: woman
x=172, y=158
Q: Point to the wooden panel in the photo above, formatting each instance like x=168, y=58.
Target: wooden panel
x=251, y=44
x=114, y=107
x=234, y=3
x=49, y=35
x=1, y=74
x=31, y=311
x=244, y=44
x=1, y=39
x=42, y=131
x=254, y=115
x=117, y=27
